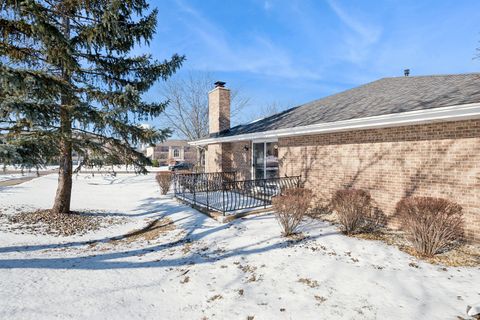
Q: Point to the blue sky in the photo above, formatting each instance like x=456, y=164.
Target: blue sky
x=291, y=52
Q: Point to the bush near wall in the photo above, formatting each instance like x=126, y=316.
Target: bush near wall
x=354, y=209
x=431, y=224
x=290, y=208
x=164, y=180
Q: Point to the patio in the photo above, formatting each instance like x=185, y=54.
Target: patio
x=222, y=192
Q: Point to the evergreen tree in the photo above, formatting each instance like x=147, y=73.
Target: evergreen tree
x=8, y=155
x=69, y=82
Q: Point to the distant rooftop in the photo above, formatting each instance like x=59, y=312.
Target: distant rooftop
x=173, y=142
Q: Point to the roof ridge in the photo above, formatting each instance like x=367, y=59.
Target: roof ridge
x=434, y=75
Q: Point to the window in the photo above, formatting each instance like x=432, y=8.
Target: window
x=176, y=153
x=265, y=160
x=162, y=155
x=164, y=149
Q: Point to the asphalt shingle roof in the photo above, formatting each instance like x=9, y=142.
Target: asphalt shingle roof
x=384, y=96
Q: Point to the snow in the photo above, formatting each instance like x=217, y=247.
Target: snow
x=12, y=176
x=229, y=201
x=207, y=269
x=474, y=310
x=121, y=168
x=117, y=168
x=18, y=168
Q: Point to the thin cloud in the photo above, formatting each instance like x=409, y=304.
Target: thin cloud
x=219, y=52
x=267, y=5
x=370, y=34
x=362, y=38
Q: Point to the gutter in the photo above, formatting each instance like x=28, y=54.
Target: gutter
x=443, y=114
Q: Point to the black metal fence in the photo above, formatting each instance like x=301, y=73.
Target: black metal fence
x=224, y=193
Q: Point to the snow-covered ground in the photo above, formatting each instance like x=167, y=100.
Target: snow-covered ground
x=12, y=176
x=122, y=168
x=19, y=168
x=205, y=269
x=117, y=168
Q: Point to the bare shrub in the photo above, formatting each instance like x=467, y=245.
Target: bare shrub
x=319, y=207
x=353, y=208
x=164, y=180
x=431, y=224
x=290, y=207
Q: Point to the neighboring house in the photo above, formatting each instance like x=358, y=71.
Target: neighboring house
x=394, y=137
x=171, y=152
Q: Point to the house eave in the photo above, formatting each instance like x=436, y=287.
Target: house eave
x=442, y=114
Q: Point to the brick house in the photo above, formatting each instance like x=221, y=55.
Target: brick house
x=395, y=137
x=172, y=151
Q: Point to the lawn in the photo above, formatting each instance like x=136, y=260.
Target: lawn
x=176, y=263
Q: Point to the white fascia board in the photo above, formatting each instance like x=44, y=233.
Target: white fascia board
x=264, y=140
x=443, y=114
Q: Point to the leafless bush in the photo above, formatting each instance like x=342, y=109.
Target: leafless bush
x=353, y=207
x=290, y=207
x=319, y=207
x=431, y=224
x=164, y=180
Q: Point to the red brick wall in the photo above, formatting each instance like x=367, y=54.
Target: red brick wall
x=230, y=156
x=218, y=109
x=440, y=160
x=213, y=158
x=238, y=159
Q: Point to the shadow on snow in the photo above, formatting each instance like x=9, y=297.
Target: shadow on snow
x=196, y=226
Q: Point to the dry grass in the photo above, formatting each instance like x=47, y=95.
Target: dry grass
x=320, y=299
x=309, y=282
x=459, y=255
x=150, y=232
x=464, y=255
x=250, y=270
x=60, y=224
x=187, y=248
x=215, y=297
x=247, y=268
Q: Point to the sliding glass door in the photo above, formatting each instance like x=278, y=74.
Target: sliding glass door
x=271, y=160
x=265, y=160
x=258, y=160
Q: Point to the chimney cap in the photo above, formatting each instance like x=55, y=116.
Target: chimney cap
x=219, y=84
x=406, y=72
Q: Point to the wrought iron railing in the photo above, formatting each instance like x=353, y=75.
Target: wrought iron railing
x=224, y=193
x=201, y=182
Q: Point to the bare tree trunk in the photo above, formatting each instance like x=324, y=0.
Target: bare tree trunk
x=200, y=166
x=197, y=164
x=64, y=188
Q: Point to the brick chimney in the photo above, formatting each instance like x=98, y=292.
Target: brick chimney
x=218, y=108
